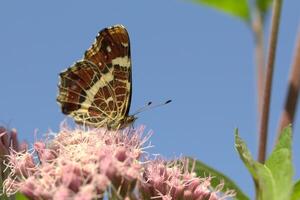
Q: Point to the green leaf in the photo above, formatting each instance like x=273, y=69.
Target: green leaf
x=203, y=170
x=260, y=174
x=17, y=196
x=263, y=6
x=236, y=8
x=20, y=196
x=274, y=179
x=281, y=166
x=296, y=191
x=285, y=139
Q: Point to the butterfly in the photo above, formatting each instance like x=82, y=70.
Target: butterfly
x=97, y=90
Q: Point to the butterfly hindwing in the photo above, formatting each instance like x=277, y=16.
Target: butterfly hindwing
x=97, y=89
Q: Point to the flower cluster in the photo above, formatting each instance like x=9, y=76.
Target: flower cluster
x=8, y=142
x=98, y=163
x=174, y=181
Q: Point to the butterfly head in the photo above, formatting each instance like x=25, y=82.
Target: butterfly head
x=123, y=123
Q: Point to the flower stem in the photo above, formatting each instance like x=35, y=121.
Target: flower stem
x=287, y=116
x=257, y=28
x=263, y=135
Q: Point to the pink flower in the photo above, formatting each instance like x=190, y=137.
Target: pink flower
x=91, y=164
x=8, y=143
x=78, y=164
x=172, y=181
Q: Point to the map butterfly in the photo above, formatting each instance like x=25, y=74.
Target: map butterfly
x=97, y=90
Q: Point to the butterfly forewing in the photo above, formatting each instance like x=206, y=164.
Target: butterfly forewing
x=97, y=89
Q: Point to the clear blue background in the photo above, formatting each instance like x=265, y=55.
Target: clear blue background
x=198, y=57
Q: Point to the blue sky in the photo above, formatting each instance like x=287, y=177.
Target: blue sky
x=199, y=58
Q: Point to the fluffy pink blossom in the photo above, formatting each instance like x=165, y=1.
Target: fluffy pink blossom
x=173, y=181
x=78, y=164
x=96, y=164
x=8, y=142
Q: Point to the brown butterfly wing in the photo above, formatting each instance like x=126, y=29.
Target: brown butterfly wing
x=97, y=90
x=79, y=90
x=111, y=53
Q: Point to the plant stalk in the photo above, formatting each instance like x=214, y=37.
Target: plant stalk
x=257, y=27
x=288, y=114
x=263, y=135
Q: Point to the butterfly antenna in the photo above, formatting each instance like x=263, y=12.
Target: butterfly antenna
x=149, y=105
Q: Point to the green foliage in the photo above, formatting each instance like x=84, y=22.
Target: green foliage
x=17, y=196
x=274, y=178
x=296, y=191
x=203, y=170
x=237, y=8
x=263, y=5
x=280, y=165
x=20, y=196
